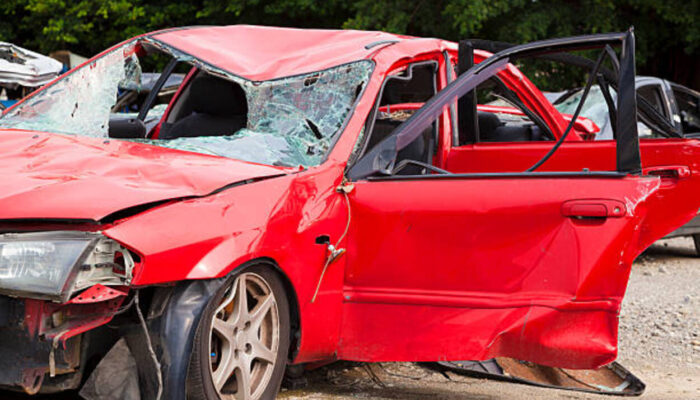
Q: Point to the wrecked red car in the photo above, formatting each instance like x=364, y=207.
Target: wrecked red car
x=287, y=209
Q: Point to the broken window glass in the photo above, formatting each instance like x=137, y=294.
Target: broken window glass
x=291, y=121
x=80, y=103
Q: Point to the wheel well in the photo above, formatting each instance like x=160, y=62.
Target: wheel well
x=158, y=297
x=294, y=310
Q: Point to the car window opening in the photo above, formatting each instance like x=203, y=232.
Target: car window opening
x=689, y=108
x=577, y=112
x=504, y=117
x=382, y=159
x=401, y=95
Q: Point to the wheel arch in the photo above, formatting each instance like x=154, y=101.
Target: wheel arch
x=176, y=304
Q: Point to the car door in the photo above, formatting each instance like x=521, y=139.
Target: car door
x=533, y=265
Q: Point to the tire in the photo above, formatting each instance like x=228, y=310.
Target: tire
x=696, y=239
x=228, y=339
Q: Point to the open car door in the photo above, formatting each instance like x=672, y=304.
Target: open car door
x=530, y=265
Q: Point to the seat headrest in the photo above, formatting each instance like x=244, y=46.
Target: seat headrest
x=216, y=96
x=488, y=123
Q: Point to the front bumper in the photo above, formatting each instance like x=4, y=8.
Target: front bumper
x=43, y=345
x=24, y=357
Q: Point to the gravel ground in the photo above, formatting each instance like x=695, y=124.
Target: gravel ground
x=659, y=343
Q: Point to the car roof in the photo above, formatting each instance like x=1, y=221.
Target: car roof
x=262, y=53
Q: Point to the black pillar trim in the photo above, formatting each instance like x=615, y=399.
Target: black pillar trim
x=468, y=122
x=628, y=156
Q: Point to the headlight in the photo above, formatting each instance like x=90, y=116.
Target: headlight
x=53, y=265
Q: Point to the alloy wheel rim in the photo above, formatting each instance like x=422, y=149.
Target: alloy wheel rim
x=244, y=339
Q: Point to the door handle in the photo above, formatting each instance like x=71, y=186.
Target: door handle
x=669, y=171
x=593, y=208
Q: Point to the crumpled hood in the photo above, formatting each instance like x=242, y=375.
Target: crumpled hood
x=52, y=176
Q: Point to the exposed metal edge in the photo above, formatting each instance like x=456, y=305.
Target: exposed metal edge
x=629, y=384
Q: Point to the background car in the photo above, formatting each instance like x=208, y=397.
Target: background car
x=679, y=104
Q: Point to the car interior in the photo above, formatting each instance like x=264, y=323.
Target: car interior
x=524, y=126
x=208, y=106
x=416, y=84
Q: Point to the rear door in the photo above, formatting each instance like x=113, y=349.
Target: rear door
x=675, y=159
x=458, y=267
x=447, y=266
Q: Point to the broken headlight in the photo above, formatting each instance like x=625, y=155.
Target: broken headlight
x=53, y=265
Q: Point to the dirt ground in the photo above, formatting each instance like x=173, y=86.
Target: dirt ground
x=659, y=343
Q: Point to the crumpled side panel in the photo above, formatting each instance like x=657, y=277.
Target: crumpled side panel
x=572, y=338
x=483, y=268
x=79, y=104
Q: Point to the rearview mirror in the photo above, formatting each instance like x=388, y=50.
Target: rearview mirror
x=129, y=128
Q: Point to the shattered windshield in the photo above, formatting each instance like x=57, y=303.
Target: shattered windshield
x=289, y=122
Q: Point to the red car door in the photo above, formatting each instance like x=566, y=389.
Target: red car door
x=532, y=265
x=477, y=267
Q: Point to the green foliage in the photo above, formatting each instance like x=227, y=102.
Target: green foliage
x=666, y=29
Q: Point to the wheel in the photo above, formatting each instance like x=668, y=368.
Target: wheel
x=242, y=341
x=696, y=239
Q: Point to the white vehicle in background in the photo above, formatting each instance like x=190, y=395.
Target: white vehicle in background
x=678, y=104
x=22, y=71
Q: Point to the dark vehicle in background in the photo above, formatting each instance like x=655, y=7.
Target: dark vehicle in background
x=678, y=104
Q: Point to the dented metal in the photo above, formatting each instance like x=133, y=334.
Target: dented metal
x=426, y=251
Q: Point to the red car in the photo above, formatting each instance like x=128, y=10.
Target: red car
x=289, y=209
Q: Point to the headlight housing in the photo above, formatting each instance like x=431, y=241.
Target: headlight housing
x=53, y=265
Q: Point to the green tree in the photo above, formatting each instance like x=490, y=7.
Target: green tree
x=668, y=35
